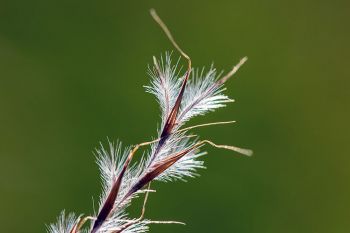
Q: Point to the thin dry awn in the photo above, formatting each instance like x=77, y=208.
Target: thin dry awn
x=174, y=155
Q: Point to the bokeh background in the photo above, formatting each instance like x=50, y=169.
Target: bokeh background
x=72, y=73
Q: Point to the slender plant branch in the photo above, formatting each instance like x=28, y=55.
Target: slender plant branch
x=174, y=155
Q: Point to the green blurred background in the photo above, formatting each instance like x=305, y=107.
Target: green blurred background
x=71, y=74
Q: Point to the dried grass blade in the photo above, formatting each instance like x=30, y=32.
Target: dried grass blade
x=158, y=168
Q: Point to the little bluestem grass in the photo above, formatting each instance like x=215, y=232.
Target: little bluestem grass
x=174, y=155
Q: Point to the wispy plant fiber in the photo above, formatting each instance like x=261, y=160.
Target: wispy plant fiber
x=174, y=155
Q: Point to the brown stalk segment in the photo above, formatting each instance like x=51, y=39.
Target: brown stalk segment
x=171, y=121
x=158, y=168
x=172, y=118
x=108, y=206
x=125, y=226
x=109, y=203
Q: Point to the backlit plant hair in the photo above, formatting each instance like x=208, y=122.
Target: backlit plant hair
x=174, y=155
